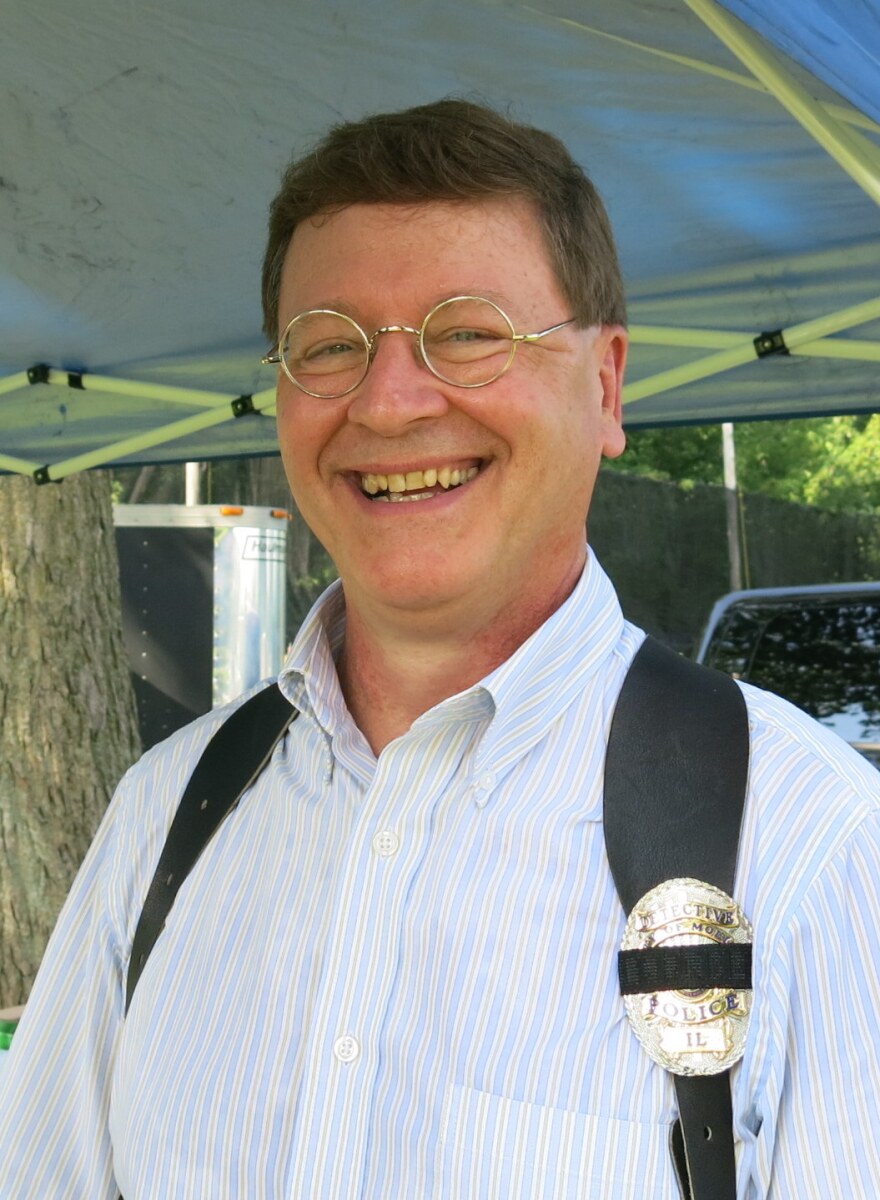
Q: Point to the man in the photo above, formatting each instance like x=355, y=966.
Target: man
x=392, y=972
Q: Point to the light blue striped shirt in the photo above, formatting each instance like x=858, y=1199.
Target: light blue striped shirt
x=397, y=977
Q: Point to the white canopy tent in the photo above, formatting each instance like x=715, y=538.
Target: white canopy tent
x=142, y=143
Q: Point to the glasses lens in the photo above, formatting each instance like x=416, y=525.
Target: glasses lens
x=468, y=341
x=325, y=353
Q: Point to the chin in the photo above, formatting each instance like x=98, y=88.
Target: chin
x=413, y=586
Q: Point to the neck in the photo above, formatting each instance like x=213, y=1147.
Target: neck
x=393, y=669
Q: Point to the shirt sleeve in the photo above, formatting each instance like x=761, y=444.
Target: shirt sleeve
x=818, y=1111
x=55, y=1087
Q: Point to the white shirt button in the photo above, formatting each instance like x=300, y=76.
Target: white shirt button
x=386, y=842
x=486, y=781
x=346, y=1048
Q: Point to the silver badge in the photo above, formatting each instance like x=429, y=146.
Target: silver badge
x=689, y=1033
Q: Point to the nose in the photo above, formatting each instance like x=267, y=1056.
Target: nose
x=398, y=388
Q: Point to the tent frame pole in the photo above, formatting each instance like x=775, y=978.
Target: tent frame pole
x=260, y=402
x=850, y=149
x=714, y=364
x=17, y=466
x=86, y=382
x=861, y=350
x=11, y=383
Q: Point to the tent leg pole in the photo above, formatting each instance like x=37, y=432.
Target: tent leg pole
x=193, y=482
x=731, y=501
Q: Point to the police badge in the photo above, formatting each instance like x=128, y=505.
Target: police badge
x=685, y=974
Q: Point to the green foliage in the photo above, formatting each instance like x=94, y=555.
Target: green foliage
x=685, y=454
x=828, y=462
x=847, y=476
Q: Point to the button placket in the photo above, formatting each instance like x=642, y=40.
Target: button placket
x=354, y=990
x=383, y=850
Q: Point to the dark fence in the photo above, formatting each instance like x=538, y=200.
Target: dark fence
x=665, y=547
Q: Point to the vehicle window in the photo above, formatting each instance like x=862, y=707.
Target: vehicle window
x=824, y=655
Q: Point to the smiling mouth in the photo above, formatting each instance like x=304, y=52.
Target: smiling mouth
x=415, y=485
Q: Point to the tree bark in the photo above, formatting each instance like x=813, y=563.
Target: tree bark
x=68, y=723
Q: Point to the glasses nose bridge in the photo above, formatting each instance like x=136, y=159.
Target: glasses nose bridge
x=372, y=342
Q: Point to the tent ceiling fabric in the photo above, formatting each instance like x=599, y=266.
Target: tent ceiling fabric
x=141, y=145
x=837, y=40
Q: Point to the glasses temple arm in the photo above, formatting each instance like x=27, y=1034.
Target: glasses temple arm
x=533, y=337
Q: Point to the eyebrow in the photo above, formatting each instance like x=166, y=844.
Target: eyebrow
x=338, y=304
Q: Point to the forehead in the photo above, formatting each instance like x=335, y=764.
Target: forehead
x=418, y=254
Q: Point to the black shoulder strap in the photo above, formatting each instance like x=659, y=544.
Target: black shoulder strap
x=230, y=763
x=675, y=782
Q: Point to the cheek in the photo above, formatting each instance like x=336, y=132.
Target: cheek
x=287, y=443
x=303, y=431
x=573, y=427
x=573, y=455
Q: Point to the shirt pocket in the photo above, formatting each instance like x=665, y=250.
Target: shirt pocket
x=492, y=1148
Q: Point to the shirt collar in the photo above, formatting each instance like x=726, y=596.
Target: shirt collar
x=308, y=678
x=555, y=665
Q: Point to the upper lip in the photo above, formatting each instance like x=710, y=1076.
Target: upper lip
x=425, y=464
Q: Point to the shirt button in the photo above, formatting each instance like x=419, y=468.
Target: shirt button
x=386, y=842
x=346, y=1048
x=487, y=781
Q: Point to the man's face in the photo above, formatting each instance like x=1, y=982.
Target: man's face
x=529, y=444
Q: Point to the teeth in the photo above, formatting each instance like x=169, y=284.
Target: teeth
x=404, y=486
x=401, y=498
x=406, y=498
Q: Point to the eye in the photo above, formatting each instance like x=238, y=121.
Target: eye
x=330, y=349
x=469, y=335
x=323, y=342
x=452, y=344
x=465, y=329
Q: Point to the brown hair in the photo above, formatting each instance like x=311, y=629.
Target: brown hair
x=455, y=150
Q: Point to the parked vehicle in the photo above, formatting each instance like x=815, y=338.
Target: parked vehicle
x=817, y=646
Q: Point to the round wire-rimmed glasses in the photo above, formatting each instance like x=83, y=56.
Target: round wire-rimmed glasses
x=467, y=341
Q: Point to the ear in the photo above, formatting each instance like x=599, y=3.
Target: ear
x=612, y=345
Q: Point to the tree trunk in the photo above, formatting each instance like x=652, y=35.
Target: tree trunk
x=68, y=724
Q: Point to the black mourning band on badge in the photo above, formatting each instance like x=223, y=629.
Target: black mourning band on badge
x=684, y=968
